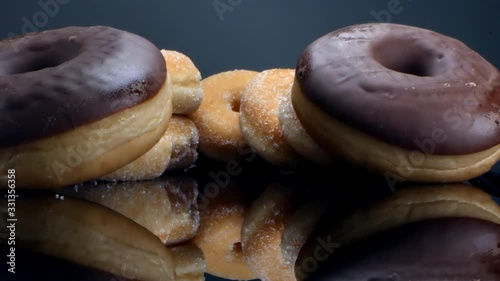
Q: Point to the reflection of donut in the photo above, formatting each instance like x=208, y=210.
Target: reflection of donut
x=187, y=93
x=188, y=260
x=190, y=263
x=218, y=117
x=259, y=116
x=297, y=230
x=31, y=265
x=402, y=100
x=219, y=235
x=262, y=232
x=440, y=249
x=70, y=112
x=418, y=203
x=166, y=206
x=406, y=206
x=91, y=235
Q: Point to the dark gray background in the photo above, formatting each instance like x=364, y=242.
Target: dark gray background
x=256, y=34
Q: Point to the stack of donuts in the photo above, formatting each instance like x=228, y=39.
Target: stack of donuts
x=102, y=133
x=92, y=118
x=401, y=101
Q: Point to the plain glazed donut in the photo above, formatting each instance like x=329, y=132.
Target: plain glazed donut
x=218, y=116
x=219, y=235
x=184, y=136
x=166, y=206
x=296, y=136
x=70, y=112
x=187, y=93
x=403, y=101
x=259, y=121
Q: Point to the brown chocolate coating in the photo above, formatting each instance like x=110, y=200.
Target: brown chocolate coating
x=406, y=86
x=54, y=81
x=459, y=249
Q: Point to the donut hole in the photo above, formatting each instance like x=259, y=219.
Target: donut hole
x=43, y=55
x=233, y=100
x=408, y=56
x=237, y=248
x=235, y=105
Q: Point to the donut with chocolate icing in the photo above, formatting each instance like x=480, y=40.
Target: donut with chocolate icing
x=401, y=100
x=78, y=103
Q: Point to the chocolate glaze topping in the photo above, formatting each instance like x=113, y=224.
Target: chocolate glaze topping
x=54, y=81
x=407, y=86
x=459, y=249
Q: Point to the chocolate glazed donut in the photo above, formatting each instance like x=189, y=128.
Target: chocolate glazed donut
x=404, y=100
x=71, y=99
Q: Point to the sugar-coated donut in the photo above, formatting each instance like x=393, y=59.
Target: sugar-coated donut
x=165, y=206
x=70, y=113
x=150, y=165
x=177, y=149
x=184, y=136
x=91, y=235
x=259, y=121
x=296, y=136
x=218, y=118
x=187, y=93
x=219, y=235
x=403, y=101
